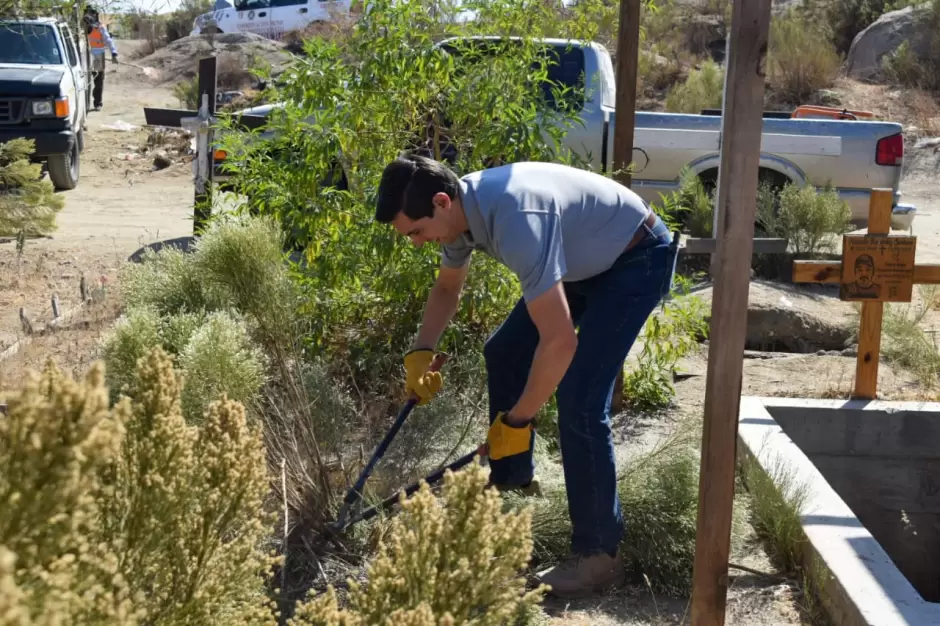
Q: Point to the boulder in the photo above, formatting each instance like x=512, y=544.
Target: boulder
x=884, y=36
x=801, y=319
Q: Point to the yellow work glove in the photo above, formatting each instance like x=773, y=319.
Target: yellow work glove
x=504, y=440
x=418, y=380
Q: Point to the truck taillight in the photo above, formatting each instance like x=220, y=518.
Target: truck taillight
x=890, y=150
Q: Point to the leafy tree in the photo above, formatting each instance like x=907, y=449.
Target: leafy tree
x=28, y=203
x=353, y=104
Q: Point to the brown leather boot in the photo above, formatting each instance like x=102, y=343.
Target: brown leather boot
x=580, y=576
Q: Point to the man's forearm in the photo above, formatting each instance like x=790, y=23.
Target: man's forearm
x=440, y=309
x=549, y=364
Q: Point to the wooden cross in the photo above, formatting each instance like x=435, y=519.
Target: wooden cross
x=201, y=122
x=876, y=267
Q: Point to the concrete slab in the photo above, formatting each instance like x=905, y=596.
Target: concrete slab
x=828, y=444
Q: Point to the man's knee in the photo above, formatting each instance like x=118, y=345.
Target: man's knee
x=583, y=403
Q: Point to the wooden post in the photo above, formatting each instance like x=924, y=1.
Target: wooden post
x=200, y=122
x=203, y=197
x=742, y=125
x=869, y=332
x=628, y=49
x=876, y=267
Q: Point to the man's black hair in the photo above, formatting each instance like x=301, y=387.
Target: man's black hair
x=409, y=184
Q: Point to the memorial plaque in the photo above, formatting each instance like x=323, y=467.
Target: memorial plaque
x=877, y=268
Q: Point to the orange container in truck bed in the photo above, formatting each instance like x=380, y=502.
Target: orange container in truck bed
x=811, y=110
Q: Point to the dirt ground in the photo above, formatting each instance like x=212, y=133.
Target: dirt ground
x=120, y=204
x=123, y=202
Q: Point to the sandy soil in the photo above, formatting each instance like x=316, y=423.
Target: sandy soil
x=122, y=203
x=118, y=206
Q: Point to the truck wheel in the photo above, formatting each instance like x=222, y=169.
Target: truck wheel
x=63, y=169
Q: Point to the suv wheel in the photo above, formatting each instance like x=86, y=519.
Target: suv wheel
x=64, y=168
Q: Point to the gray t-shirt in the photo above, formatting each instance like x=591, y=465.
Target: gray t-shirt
x=546, y=222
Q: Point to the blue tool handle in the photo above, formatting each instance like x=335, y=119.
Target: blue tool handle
x=354, y=493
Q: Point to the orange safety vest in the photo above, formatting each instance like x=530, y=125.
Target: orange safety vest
x=95, y=38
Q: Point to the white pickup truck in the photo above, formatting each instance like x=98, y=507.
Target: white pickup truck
x=853, y=156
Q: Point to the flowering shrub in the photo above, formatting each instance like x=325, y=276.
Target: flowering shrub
x=453, y=560
x=127, y=515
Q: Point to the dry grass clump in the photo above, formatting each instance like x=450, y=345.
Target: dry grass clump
x=456, y=559
x=776, y=501
x=801, y=60
x=659, y=498
x=127, y=515
x=908, y=344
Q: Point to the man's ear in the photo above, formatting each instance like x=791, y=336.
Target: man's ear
x=441, y=201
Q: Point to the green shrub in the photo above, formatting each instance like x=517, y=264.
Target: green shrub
x=456, y=559
x=220, y=359
x=811, y=220
x=243, y=261
x=28, y=203
x=801, y=60
x=187, y=93
x=666, y=338
x=131, y=337
x=214, y=350
x=702, y=89
x=698, y=203
x=169, y=282
x=175, y=331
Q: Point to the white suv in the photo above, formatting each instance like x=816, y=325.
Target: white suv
x=269, y=18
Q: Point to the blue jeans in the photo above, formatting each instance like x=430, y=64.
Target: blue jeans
x=609, y=311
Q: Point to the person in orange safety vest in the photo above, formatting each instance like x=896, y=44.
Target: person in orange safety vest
x=98, y=40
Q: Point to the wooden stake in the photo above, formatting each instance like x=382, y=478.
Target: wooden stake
x=742, y=125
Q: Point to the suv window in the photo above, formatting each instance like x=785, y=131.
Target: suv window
x=31, y=44
x=251, y=5
x=565, y=68
x=70, y=50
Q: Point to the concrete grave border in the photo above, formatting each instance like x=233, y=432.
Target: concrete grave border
x=863, y=585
